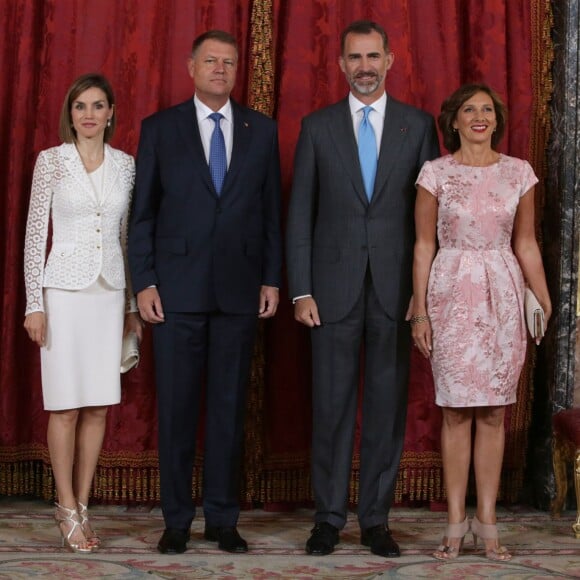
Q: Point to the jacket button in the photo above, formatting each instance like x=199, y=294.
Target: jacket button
x=98, y=247
x=98, y=231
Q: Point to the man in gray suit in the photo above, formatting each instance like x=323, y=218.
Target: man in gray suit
x=350, y=239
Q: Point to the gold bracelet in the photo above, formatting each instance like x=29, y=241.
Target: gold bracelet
x=418, y=318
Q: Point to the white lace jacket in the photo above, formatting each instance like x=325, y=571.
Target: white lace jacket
x=89, y=237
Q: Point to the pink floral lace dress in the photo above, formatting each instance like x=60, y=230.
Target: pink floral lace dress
x=476, y=286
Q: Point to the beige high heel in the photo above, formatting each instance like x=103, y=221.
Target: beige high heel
x=66, y=517
x=489, y=532
x=452, y=532
x=92, y=539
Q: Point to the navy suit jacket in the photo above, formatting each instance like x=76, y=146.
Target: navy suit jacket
x=203, y=250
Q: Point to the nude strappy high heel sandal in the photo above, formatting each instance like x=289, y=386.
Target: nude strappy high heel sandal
x=489, y=532
x=453, y=532
x=92, y=539
x=68, y=521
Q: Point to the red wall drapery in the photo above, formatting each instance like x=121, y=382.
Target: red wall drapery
x=142, y=45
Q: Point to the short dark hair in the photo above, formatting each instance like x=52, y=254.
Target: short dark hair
x=451, y=106
x=363, y=27
x=219, y=35
x=66, y=131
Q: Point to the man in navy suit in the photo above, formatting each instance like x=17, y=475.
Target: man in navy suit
x=350, y=240
x=205, y=259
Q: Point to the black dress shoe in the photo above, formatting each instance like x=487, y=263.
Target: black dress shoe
x=227, y=538
x=173, y=541
x=380, y=541
x=323, y=538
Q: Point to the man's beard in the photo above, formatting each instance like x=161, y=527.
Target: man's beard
x=366, y=89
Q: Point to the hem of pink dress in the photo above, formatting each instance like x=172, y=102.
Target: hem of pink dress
x=501, y=403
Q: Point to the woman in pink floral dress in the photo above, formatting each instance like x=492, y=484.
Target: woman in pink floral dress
x=468, y=318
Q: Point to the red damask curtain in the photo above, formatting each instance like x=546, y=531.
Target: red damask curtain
x=288, y=67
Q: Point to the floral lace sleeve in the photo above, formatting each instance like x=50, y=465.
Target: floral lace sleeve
x=37, y=231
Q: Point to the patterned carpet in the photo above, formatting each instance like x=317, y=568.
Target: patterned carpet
x=29, y=547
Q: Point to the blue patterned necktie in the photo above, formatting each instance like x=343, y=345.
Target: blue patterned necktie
x=367, y=152
x=217, y=153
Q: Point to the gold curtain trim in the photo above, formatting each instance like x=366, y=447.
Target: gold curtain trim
x=420, y=479
x=261, y=70
x=542, y=22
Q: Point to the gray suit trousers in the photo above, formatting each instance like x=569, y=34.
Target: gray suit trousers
x=336, y=351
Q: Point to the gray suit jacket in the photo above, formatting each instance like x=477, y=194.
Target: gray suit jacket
x=333, y=232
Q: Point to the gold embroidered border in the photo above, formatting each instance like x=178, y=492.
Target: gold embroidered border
x=542, y=22
x=117, y=481
x=261, y=69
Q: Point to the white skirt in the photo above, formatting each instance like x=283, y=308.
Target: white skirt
x=81, y=360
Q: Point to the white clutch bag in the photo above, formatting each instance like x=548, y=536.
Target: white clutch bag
x=129, y=352
x=534, y=315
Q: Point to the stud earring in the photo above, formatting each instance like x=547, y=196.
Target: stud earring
x=108, y=122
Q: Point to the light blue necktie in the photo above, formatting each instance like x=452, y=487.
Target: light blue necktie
x=367, y=152
x=218, y=161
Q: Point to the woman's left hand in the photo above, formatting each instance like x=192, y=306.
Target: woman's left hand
x=133, y=323
x=421, y=333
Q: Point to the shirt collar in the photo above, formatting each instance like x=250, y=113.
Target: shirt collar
x=203, y=111
x=379, y=105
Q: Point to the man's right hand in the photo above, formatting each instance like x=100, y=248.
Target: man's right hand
x=149, y=304
x=306, y=312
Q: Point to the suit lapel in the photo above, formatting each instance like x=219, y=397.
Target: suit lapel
x=241, y=144
x=111, y=173
x=394, y=135
x=342, y=134
x=188, y=128
x=76, y=169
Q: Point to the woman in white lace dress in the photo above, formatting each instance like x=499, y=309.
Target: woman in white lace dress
x=78, y=301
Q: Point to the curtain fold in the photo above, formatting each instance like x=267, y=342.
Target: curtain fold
x=289, y=52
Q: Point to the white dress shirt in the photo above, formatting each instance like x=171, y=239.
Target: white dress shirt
x=376, y=116
x=207, y=125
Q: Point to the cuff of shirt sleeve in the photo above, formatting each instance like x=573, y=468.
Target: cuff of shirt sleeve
x=296, y=298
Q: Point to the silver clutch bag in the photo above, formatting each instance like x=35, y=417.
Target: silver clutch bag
x=129, y=352
x=534, y=315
